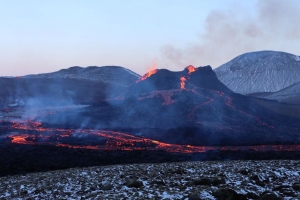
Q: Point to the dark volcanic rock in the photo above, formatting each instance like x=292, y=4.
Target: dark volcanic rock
x=135, y=184
x=269, y=196
x=194, y=196
x=251, y=195
x=157, y=182
x=277, y=188
x=201, y=181
x=107, y=187
x=228, y=194
x=207, y=181
x=296, y=186
x=217, y=181
x=244, y=171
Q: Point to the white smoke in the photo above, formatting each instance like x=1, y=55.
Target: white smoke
x=275, y=26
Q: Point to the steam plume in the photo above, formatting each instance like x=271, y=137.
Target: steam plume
x=274, y=26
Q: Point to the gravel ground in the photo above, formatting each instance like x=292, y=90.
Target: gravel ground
x=273, y=179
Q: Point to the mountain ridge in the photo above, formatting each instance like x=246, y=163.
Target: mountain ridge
x=107, y=74
x=183, y=110
x=262, y=71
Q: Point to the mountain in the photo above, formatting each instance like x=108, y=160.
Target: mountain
x=107, y=74
x=163, y=79
x=187, y=107
x=55, y=91
x=262, y=71
x=67, y=86
x=289, y=94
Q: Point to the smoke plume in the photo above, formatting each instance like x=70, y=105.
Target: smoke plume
x=228, y=33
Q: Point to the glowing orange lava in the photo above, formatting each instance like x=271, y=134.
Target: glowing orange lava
x=182, y=83
x=191, y=68
x=165, y=94
x=20, y=139
x=117, y=140
x=151, y=70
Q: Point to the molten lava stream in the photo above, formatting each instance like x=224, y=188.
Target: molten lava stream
x=192, y=113
x=229, y=104
x=165, y=94
x=182, y=82
x=118, y=140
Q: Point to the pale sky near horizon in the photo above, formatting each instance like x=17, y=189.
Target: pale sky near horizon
x=45, y=36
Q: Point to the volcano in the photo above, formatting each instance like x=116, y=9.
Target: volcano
x=186, y=107
x=163, y=116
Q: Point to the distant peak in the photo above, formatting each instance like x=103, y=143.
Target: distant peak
x=73, y=68
x=260, y=71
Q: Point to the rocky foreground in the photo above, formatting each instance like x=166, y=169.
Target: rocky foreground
x=273, y=179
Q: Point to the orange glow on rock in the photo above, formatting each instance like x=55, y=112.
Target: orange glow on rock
x=151, y=70
x=117, y=140
x=20, y=139
x=191, y=69
x=182, y=83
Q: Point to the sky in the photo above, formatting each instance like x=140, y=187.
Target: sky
x=46, y=36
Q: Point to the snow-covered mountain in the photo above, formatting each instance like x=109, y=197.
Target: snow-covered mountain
x=107, y=74
x=262, y=71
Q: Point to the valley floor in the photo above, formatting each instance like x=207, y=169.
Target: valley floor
x=272, y=179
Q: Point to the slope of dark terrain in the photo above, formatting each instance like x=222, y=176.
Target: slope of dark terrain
x=107, y=74
x=166, y=116
x=186, y=108
x=55, y=91
x=290, y=95
x=290, y=110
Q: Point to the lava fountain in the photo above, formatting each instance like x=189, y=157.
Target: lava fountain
x=151, y=70
x=182, y=82
x=191, y=69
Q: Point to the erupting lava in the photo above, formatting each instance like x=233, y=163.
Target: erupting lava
x=151, y=70
x=191, y=69
x=34, y=134
x=182, y=83
x=20, y=139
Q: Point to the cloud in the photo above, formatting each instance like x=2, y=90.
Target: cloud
x=229, y=33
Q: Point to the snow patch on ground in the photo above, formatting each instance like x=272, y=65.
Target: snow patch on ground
x=159, y=181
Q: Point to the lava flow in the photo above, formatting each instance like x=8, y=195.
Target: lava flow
x=31, y=133
x=182, y=82
x=105, y=140
x=151, y=70
x=165, y=94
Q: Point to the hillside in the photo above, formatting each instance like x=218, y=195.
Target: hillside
x=67, y=86
x=262, y=71
x=289, y=94
x=55, y=91
x=107, y=74
x=189, y=108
